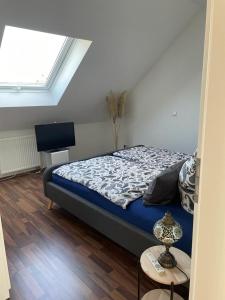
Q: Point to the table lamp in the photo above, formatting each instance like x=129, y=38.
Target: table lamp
x=168, y=231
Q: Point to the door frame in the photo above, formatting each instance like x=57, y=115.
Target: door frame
x=208, y=254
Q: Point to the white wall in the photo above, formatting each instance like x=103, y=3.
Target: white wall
x=91, y=139
x=115, y=61
x=172, y=85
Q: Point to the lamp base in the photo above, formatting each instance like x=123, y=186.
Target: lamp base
x=167, y=260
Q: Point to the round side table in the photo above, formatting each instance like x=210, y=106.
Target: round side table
x=160, y=294
x=170, y=277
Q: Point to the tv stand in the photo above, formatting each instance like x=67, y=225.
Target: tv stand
x=54, y=157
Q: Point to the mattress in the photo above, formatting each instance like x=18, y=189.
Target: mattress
x=143, y=217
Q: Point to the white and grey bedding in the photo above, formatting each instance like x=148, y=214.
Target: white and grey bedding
x=121, y=179
x=151, y=156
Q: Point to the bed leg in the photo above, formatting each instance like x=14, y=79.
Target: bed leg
x=50, y=204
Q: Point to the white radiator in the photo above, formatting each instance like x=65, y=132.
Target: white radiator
x=18, y=154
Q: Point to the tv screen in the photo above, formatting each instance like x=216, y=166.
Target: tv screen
x=54, y=136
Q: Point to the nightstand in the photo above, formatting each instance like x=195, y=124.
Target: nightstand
x=170, y=277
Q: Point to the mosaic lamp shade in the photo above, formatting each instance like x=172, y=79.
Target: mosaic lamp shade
x=167, y=231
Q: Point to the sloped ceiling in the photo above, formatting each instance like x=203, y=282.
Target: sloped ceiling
x=128, y=36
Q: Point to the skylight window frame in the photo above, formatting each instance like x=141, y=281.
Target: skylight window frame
x=52, y=75
x=59, y=62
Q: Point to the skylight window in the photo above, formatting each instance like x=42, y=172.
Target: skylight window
x=36, y=67
x=30, y=59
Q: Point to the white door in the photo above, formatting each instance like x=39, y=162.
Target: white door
x=208, y=257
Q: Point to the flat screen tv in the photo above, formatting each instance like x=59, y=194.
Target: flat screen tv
x=54, y=136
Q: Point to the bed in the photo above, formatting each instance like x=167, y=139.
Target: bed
x=131, y=227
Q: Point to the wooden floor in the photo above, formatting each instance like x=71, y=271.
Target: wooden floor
x=52, y=255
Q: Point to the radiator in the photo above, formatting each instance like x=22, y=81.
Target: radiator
x=18, y=154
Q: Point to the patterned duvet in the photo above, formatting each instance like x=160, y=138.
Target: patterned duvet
x=151, y=156
x=124, y=177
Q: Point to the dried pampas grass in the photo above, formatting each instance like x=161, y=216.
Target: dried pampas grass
x=112, y=106
x=121, y=104
x=116, y=108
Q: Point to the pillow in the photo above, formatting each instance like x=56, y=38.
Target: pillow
x=187, y=184
x=164, y=188
x=195, y=152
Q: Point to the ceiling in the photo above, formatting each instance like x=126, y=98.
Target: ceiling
x=128, y=37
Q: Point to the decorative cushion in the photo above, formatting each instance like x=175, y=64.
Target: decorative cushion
x=195, y=152
x=164, y=188
x=187, y=184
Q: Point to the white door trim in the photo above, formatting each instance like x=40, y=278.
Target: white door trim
x=208, y=257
